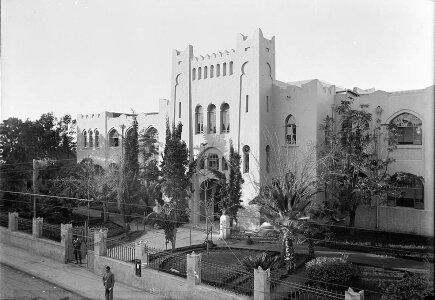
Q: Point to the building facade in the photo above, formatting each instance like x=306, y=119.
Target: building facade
x=233, y=96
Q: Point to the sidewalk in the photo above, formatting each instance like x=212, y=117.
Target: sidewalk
x=71, y=277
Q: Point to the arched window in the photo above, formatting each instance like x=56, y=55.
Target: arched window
x=267, y=158
x=218, y=70
x=91, y=139
x=193, y=74
x=406, y=190
x=97, y=139
x=205, y=72
x=199, y=120
x=231, y=68
x=211, y=71
x=224, y=69
x=290, y=130
x=85, y=139
x=246, y=150
x=199, y=73
x=409, y=129
x=225, y=118
x=213, y=161
x=113, y=138
x=211, y=118
x=150, y=144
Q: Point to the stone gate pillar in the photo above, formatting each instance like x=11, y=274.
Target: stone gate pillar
x=13, y=221
x=37, y=226
x=66, y=240
x=100, y=242
x=194, y=268
x=225, y=230
x=140, y=252
x=261, y=284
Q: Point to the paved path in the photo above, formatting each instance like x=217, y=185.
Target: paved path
x=70, y=277
x=18, y=285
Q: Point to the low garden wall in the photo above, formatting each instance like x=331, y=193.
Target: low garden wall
x=397, y=219
x=160, y=283
x=28, y=242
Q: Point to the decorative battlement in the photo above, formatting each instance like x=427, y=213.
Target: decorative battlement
x=211, y=56
x=90, y=116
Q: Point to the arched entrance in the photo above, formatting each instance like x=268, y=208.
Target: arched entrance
x=209, y=200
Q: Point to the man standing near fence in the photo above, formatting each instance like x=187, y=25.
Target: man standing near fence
x=77, y=244
x=109, y=282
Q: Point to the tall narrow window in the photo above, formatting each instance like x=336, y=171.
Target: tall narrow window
x=267, y=103
x=205, y=72
x=193, y=74
x=224, y=69
x=290, y=130
x=409, y=129
x=91, y=139
x=267, y=158
x=211, y=118
x=199, y=120
x=113, y=138
x=179, y=109
x=199, y=73
x=97, y=139
x=85, y=139
x=213, y=162
x=247, y=103
x=225, y=118
x=218, y=70
x=246, y=150
x=211, y=71
x=231, y=68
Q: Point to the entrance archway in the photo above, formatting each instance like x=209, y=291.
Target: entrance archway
x=209, y=201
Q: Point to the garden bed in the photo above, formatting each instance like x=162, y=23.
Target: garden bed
x=383, y=243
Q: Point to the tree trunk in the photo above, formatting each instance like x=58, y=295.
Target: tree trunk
x=174, y=238
x=105, y=212
x=352, y=222
x=290, y=258
x=311, y=253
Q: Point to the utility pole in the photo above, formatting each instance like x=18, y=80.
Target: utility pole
x=34, y=179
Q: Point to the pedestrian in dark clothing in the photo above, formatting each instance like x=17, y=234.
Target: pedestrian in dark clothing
x=77, y=244
x=109, y=282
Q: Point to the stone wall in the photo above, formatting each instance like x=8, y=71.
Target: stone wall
x=160, y=283
x=28, y=242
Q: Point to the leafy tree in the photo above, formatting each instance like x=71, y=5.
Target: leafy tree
x=355, y=172
x=165, y=217
x=148, y=144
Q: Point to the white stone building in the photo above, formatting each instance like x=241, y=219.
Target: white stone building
x=233, y=95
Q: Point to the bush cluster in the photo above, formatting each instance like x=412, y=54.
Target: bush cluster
x=412, y=286
x=327, y=271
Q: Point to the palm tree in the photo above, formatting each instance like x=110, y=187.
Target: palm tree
x=285, y=205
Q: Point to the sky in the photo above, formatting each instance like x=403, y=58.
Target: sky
x=88, y=56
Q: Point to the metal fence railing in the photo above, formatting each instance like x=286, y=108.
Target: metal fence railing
x=227, y=278
x=51, y=232
x=25, y=225
x=4, y=220
x=167, y=262
x=288, y=290
x=120, y=251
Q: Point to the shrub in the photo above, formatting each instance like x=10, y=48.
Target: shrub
x=263, y=260
x=327, y=271
x=411, y=287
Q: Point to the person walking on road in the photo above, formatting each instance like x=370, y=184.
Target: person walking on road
x=109, y=282
x=77, y=244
